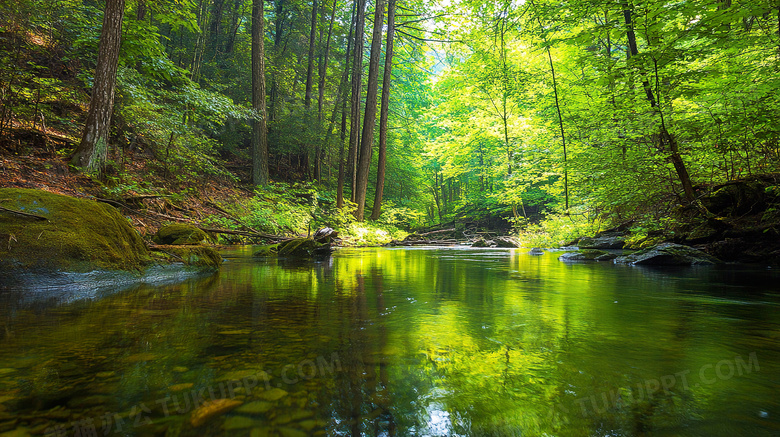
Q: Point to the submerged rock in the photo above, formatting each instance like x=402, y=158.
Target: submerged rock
x=71, y=234
x=536, y=251
x=211, y=409
x=668, y=254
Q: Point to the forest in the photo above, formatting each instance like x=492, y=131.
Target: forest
x=547, y=119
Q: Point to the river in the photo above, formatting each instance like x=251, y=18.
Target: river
x=406, y=342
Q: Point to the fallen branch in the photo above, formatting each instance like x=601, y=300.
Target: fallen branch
x=24, y=214
x=436, y=232
x=245, y=234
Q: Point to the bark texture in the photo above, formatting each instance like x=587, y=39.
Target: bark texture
x=92, y=152
x=259, y=127
x=383, y=112
x=369, y=121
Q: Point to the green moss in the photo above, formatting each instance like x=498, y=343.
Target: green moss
x=80, y=235
x=302, y=247
x=195, y=256
x=179, y=233
x=267, y=250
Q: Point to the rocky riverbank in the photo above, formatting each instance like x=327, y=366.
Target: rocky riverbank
x=63, y=238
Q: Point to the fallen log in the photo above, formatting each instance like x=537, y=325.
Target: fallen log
x=245, y=233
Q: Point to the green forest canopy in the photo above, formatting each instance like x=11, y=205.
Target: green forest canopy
x=516, y=110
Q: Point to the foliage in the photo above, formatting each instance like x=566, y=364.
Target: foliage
x=684, y=94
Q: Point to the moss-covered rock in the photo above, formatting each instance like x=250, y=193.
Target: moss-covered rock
x=191, y=255
x=180, y=234
x=78, y=235
x=303, y=247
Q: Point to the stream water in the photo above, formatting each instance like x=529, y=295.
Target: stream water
x=406, y=342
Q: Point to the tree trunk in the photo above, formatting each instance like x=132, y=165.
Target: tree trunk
x=322, y=71
x=357, y=79
x=560, y=117
x=323, y=67
x=345, y=77
x=310, y=69
x=259, y=127
x=383, y=113
x=666, y=138
x=91, y=153
x=369, y=121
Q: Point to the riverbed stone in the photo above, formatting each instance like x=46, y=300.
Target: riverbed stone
x=536, y=251
x=273, y=394
x=211, y=409
x=238, y=422
x=285, y=431
x=668, y=254
x=255, y=407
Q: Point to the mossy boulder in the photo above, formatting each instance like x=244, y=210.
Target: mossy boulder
x=77, y=235
x=191, y=255
x=180, y=234
x=303, y=248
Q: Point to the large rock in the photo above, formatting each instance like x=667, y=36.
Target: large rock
x=191, y=255
x=76, y=235
x=605, y=240
x=668, y=254
x=325, y=235
x=303, y=248
x=180, y=234
x=587, y=255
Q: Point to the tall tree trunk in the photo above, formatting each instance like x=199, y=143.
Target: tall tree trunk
x=344, y=79
x=277, y=52
x=357, y=85
x=322, y=70
x=215, y=28
x=310, y=69
x=91, y=153
x=384, y=112
x=323, y=66
x=369, y=121
x=259, y=127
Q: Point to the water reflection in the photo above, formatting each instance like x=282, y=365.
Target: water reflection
x=405, y=342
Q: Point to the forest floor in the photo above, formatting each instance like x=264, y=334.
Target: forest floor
x=148, y=200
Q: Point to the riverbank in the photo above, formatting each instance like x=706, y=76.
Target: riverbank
x=231, y=212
